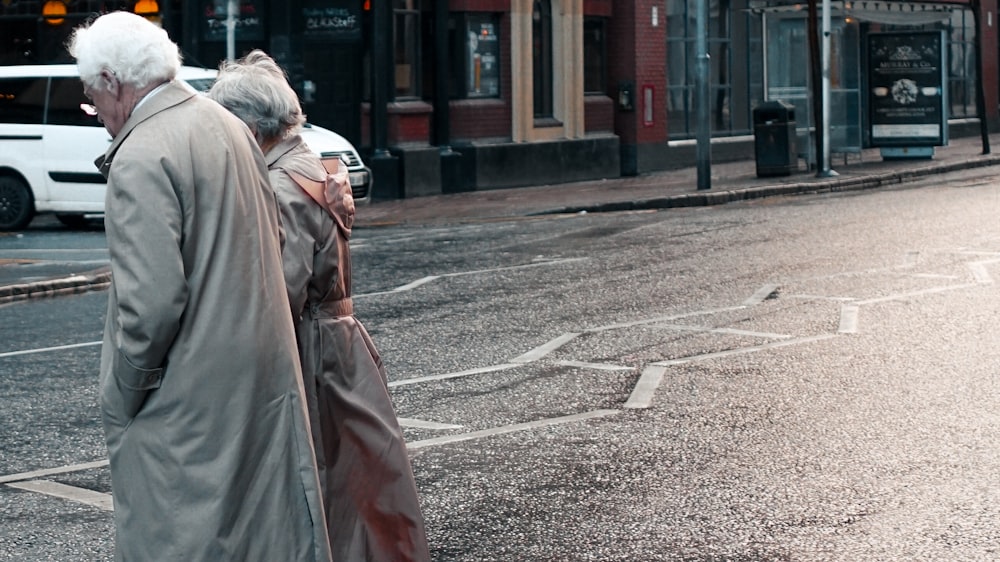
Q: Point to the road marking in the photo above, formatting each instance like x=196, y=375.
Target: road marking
x=931, y=291
x=658, y=319
x=99, y=500
x=979, y=271
x=848, y=319
x=545, y=349
x=728, y=331
x=425, y=280
x=47, y=349
x=477, y=371
x=509, y=429
x=596, y=366
x=761, y=294
x=424, y=424
x=645, y=389
x=50, y=471
x=742, y=350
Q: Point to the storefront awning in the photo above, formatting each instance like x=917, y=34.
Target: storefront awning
x=874, y=11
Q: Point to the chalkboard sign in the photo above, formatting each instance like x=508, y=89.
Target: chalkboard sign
x=337, y=21
x=907, y=94
x=249, y=24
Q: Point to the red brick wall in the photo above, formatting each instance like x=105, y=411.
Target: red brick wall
x=599, y=114
x=637, y=52
x=480, y=118
x=409, y=122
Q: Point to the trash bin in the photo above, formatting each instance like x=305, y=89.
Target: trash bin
x=774, y=139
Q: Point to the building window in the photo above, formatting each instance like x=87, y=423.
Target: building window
x=681, y=61
x=595, y=56
x=474, y=55
x=541, y=58
x=406, y=42
x=960, y=31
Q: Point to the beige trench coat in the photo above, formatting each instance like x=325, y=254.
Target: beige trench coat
x=370, y=495
x=200, y=388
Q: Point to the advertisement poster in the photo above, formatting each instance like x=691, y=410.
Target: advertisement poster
x=247, y=22
x=906, y=89
x=338, y=21
x=484, y=58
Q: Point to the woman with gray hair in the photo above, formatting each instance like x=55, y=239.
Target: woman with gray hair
x=369, y=492
x=200, y=387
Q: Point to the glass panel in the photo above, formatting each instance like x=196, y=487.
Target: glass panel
x=594, y=56
x=541, y=53
x=65, y=99
x=482, y=57
x=22, y=100
x=406, y=44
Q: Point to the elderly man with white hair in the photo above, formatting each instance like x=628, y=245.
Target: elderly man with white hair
x=200, y=386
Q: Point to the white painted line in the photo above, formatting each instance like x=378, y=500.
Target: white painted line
x=424, y=424
x=848, y=319
x=47, y=349
x=425, y=280
x=729, y=331
x=931, y=276
x=99, y=500
x=50, y=471
x=663, y=319
x=761, y=294
x=509, y=429
x=642, y=394
x=597, y=366
x=930, y=291
x=742, y=350
x=545, y=349
x=415, y=284
x=477, y=371
x=820, y=298
x=979, y=271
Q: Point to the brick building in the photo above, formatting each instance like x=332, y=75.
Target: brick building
x=451, y=95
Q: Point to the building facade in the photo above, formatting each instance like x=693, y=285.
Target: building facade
x=455, y=95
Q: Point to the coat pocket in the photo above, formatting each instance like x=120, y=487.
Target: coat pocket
x=133, y=384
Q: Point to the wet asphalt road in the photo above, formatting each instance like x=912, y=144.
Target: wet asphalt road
x=807, y=378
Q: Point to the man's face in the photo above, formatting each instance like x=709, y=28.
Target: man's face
x=109, y=103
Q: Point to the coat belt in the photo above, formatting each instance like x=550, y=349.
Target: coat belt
x=333, y=309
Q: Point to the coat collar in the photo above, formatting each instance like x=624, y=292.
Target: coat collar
x=175, y=93
x=282, y=155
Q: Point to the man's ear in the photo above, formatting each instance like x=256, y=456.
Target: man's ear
x=110, y=82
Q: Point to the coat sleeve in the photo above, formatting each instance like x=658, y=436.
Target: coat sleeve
x=144, y=232
x=298, y=250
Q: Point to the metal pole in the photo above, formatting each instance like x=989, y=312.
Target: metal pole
x=442, y=126
x=381, y=67
x=231, y=10
x=984, y=129
x=704, y=132
x=824, y=168
x=815, y=86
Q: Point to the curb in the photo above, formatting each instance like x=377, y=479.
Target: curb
x=95, y=280
x=711, y=198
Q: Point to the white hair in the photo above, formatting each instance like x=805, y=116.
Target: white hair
x=257, y=91
x=138, y=52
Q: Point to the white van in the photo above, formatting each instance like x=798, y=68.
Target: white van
x=48, y=144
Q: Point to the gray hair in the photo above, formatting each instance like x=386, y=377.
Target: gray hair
x=138, y=52
x=256, y=90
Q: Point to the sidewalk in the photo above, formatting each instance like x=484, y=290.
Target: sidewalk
x=734, y=181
